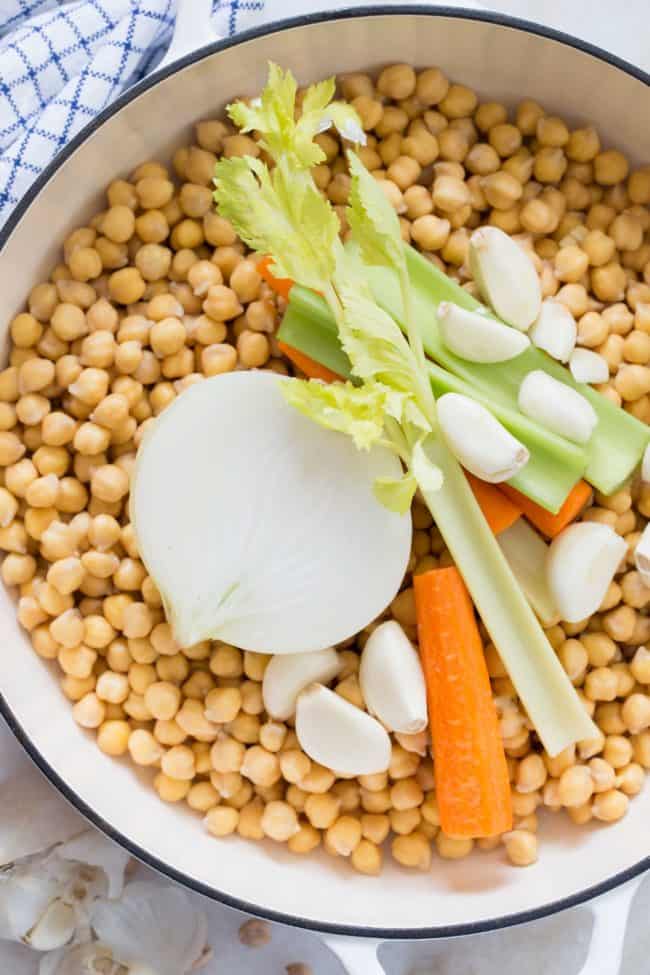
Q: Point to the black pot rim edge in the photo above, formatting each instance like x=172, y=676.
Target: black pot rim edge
x=259, y=910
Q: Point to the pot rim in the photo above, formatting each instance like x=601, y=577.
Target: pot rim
x=146, y=857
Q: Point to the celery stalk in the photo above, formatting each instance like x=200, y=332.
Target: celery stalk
x=526, y=553
x=542, y=684
x=618, y=442
x=555, y=465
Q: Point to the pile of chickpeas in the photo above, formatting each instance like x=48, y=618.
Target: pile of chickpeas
x=154, y=294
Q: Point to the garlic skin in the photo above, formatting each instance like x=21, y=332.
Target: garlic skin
x=476, y=337
x=505, y=276
x=557, y=407
x=588, y=367
x=582, y=561
x=391, y=680
x=287, y=675
x=481, y=444
x=554, y=330
x=339, y=735
x=642, y=555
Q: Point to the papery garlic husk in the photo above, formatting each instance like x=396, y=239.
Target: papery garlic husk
x=554, y=330
x=481, y=444
x=96, y=850
x=476, y=337
x=339, y=735
x=582, y=561
x=288, y=674
x=54, y=929
x=153, y=929
x=391, y=680
x=557, y=407
x=642, y=555
x=505, y=276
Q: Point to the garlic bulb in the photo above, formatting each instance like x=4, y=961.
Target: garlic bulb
x=588, y=367
x=288, y=674
x=339, y=735
x=582, y=561
x=554, y=330
x=391, y=680
x=482, y=445
x=477, y=337
x=506, y=277
x=557, y=406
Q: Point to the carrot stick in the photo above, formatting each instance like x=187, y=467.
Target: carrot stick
x=472, y=784
x=281, y=286
x=549, y=524
x=311, y=368
x=499, y=511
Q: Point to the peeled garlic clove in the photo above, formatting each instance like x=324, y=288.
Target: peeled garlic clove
x=482, y=445
x=642, y=555
x=505, y=276
x=287, y=675
x=339, y=735
x=582, y=561
x=391, y=680
x=588, y=367
x=54, y=929
x=557, y=407
x=554, y=330
x=477, y=338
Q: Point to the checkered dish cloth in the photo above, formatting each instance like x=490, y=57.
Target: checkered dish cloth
x=62, y=62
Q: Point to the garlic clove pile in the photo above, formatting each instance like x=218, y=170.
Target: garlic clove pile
x=481, y=444
x=288, y=674
x=506, y=277
x=339, y=735
x=391, y=680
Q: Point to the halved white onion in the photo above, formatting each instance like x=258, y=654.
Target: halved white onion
x=288, y=674
x=557, y=406
x=582, y=561
x=259, y=527
x=339, y=735
x=506, y=277
x=478, y=440
x=554, y=330
x=476, y=337
x=391, y=679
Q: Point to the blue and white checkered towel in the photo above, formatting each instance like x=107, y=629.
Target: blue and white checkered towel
x=62, y=62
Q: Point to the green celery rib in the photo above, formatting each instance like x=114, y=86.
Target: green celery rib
x=541, y=682
x=555, y=464
x=619, y=440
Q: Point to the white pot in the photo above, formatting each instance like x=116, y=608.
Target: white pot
x=504, y=60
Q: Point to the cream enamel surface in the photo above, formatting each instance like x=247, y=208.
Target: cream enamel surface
x=505, y=64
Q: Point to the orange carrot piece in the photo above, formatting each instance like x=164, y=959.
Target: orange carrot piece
x=472, y=784
x=281, y=286
x=550, y=524
x=311, y=368
x=500, y=512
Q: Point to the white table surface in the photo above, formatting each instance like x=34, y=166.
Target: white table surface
x=555, y=945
